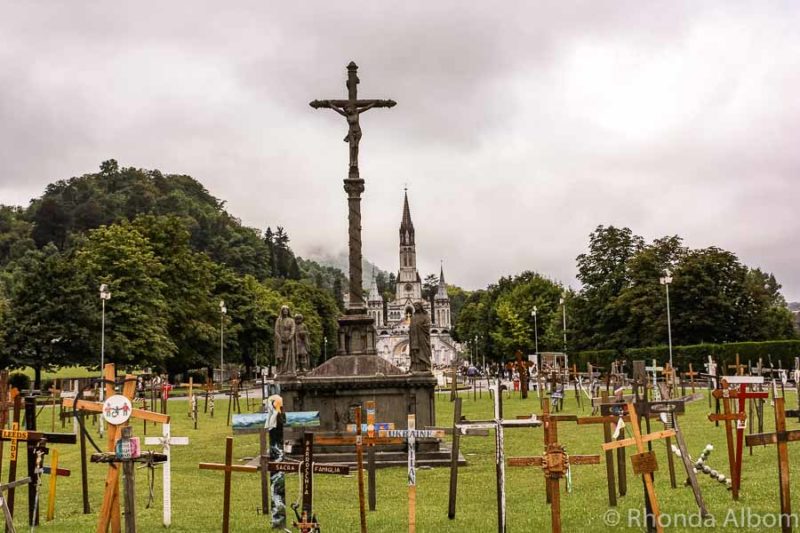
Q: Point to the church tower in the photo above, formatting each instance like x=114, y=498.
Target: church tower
x=375, y=302
x=409, y=284
x=441, y=303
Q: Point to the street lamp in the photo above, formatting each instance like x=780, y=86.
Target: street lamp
x=105, y=294
x=563, y=302
x=665, y=281
x=222, y=311
x=535, y=329
x=325, y=342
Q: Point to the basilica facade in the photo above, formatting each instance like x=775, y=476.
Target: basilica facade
x=393, y=319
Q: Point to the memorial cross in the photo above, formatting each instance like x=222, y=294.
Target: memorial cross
x=411, y=435
x=228, y=467
x=654, y=369
x=498, y=424
x=691, y=374
x=644, y=462
x=556, y=464
x=209, y=400
x=781, y=437
x=577, y=379
x=743, y=395
x=669, y=410
x=738, y=367
x=306, y=519
x=54, y=471
x=607, y=421
x=127, y=452
x=166, y=441
x=371, y=439
x=7, y=514
x=113, y=410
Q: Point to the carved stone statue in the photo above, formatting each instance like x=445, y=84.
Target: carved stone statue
x=419, y=340
x=302, y=342
x=285, y=342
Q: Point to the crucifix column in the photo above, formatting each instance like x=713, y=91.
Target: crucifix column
x=356, y=327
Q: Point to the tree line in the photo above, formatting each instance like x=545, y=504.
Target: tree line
x=621, y=304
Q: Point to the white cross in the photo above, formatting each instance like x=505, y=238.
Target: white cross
x=166, y=441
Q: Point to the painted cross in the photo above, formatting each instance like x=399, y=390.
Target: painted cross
x=498, y=424
x=228, y=467
x=781, y=438
x=110, y=508
x=727, y=395
x=166, y=441
x=306, y=519
x=54, y=471
x=411, y=435
x=654, y=369
x=644, y=462
x=127, y=452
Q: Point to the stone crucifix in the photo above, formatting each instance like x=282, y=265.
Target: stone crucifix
x=351, y=109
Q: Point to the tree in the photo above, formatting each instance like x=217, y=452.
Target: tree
x=429, y=287
x=137, y=315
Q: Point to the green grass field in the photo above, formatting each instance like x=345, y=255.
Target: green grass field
x=197, y=495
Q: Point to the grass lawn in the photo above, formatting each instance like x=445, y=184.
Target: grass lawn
x=197, y=495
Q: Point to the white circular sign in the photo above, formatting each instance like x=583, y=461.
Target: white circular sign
x=117, y=409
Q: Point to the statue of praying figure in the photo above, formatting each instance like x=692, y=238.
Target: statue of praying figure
x=302, y=342
x=285, y=342
x=419, y=340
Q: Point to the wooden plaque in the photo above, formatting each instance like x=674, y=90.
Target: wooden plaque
x=644, y=463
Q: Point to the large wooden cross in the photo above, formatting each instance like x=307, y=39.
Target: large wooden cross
x=740, y=416
x=228, y=467
x=110, y=508
x=644, y=462
x=166, y=441
x=781, y=437
x=555, y=462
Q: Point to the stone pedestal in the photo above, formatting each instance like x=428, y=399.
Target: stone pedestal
x=347, y=381
x=356, y=333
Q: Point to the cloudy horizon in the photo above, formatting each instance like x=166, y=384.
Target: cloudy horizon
x=518, y=130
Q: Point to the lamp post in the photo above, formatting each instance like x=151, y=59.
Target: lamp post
x=222, y=311
x=105, y=294
x=665, y=281
x=535, y=330
x=325, y=343
x=563, y=302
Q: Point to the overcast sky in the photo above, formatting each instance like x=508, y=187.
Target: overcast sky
x=520, y=126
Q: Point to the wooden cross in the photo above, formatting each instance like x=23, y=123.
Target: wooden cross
x=166, y=441
x=54, y=471
x=781, y=438
x=673, y=408
x=738, y=367
x=644, y=462
x=228, y=467
x=233, y=399
x=577, y=378
x=306, y=519
x=498, y=424
x=554, y=462
x=371, y=439
x=127, y=452
x=7, y=513
x=740, y=416
x=110, y=508
x=691, y=374
x=209, y=400
x=607, y=421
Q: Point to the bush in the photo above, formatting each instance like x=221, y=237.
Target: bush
x=781, y=353
x=19, y=380
x=199, y=377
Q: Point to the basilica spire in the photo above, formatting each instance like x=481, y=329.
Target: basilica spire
x=406, y=226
